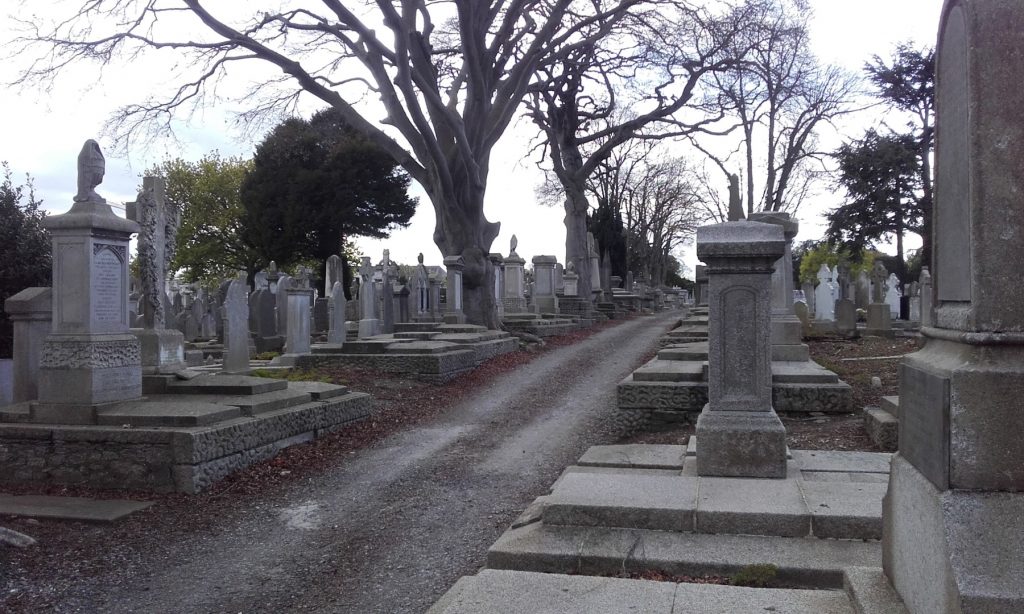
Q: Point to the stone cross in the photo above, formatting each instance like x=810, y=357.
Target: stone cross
x=158, y=223
x=879, y=277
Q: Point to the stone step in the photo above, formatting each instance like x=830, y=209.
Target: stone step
x=225, y=384
x=372, y=345
x=801, y=373
x=891, y=405
x=805, y=562
x=413, y=327
x=882, y=428
x=495, y=591
x=731, y=506
x=167, y=411
x=319, y=391
x=870, y=591
x=460, y=328
x=670, y=371
x=417, y=335
x=268, y=401
x=423, y=347
x=696, y=351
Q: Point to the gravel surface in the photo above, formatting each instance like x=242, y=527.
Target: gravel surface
x=386, y=527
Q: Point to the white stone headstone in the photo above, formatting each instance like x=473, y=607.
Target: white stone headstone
x=824, y=296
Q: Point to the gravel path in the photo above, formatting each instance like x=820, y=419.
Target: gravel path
x=391, y=527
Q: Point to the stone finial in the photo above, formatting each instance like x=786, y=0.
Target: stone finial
x=926, y=276
x=91, y=168
x=387, y=258
x=735, y=204
x=419, y=258
x=570, y=267
x=513, y=244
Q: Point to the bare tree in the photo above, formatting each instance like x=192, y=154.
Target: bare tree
x=780, y=96
x=632, y=83
x=449, y=76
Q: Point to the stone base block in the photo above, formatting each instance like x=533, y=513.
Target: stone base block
x=882, y=428
x=89, y=370
x=369, y=328
x=454, y=317
x=791, y=353
x=952, y=551
x=879, y=321
x=741, y=444
x=786, y=330
x=162, y=351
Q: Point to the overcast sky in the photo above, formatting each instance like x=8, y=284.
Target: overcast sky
x=41, y=132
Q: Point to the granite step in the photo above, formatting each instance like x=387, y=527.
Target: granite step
x=417, y=335
x=788, y=372
x=891, y=405
x=670, y=371
x=423, y=347
x=172, y=410
x=696, y=351
x=269, y=401
x=494, y=591
x=731, y=506
x=319, y=391
x=226, y=385
x=801, y=562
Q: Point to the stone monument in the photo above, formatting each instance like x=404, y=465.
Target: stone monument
x=387, y=295
x=738, y=432
x=336, y=315
x=369, y=324
x=544, y=284
x=824, y=295
x=31, y=315
x=515, y=279
x=453, y=313
x=787, y=330
x=953, y=540
x=236, y=326
x=90, y=357
x=879, y=316
x=162, y=348
x=735, y=202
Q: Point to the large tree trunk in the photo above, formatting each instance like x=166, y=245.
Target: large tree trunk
x=926, y=202
x=576, y=207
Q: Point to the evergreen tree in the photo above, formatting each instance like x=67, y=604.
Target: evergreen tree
x=315, y=183
x=24, y=248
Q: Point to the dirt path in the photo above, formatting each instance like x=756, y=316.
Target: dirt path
x=393, y=526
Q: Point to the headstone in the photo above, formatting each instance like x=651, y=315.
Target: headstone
x=453, y=313
x=336, y=331
x=333, y=273
x=162, y=347
x=804, y=315
x=892, y=295
x=700, y=277
x=927, y=294
x=846, y=317
x=515, y=281
x=498, y=263
x=297, y=341
x=862, y=290
x=808, y=290
x=544, y=284
x=879, y=279
x=284, y=283
x=595, y=265
x=369, y=325
x=236, y=326
x=739, y=432
x=31, y=315
x=321, y=317
x=953, y=540
x=387, y=294
x=90, y=357
x=629, y=281
x=559, y=274
x=571, y=280
x=824, y=296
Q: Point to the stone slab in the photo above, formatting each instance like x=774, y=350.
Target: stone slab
x=632, y=501
x=801, y=372
x=165, y=412
x=670, y=371
x=806, y=562
x=498, y=591
x=696, y=351
x=319, y=391
x=613, y=471
x=69, y=508
x=649, y=456
x=737, y=506
x=855, y=462
x=882, y=428
x=253, y=404
x=871, y=592
x=716, y=599
x=844, y=510
x=226, y=384
x=422, y=347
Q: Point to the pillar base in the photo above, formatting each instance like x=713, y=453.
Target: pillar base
x=741, y=444
x=86, y=370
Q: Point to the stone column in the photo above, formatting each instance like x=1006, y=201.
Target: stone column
x=927, y=292
x=953, y=536
x=236, y=326
x=90, y=357
x=163, y=349
x=453, y=308
x=544, y=284
x=571, y=282
x=738, y=431
x=31, y=315
x=787, y=330
x=387, y=295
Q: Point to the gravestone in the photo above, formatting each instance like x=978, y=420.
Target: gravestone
x=498, y=264
x=515, y=280
x=846, y=318
x=700, y=277
x=879, y=316
x=570, y=280
x=787, y=330
x=824, y=296
x=735, y=202
x=297, y=341
x=862, y=290
x=927, y=294
x=90, y=356
x=738, y=431
x=236, y=326
x=595, y=266
x=544, y=284
x=892, y=295
x=369, y=324
x=808, y=290
x=336, y=330
x=31, y=315
x=953, y=540
x=333, y=272
x=453, y=313
x=162, y=348
x=387, y=295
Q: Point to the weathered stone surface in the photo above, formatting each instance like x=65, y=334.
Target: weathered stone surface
x=751, y=507
x=633, y=501
x=741, y=444
x=844, y=510
x=69, y=508
x=638, y=456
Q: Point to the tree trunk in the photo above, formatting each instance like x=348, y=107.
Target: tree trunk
x=576, y=207
x=926, y=202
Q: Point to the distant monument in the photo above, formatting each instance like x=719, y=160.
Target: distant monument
x=735, y=203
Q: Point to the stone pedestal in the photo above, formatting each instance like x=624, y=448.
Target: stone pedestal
x=787, y=330
x=953, y=540
x=514, y=302
x=31, y=314
x=740, y=434
x=90, y=357
x=453, y=313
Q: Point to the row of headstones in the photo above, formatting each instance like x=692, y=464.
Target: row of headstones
x=834, y=285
